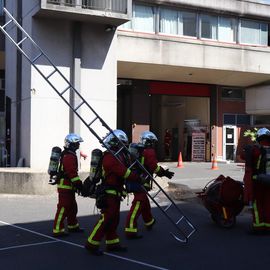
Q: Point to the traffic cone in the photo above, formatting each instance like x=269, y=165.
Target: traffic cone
x=180, y=161
x=214, y=163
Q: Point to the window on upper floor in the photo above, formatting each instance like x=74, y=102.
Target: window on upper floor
x=143, y=18
x=253, y=32
x=226, y=29
x=178, y=22
x=209, y=26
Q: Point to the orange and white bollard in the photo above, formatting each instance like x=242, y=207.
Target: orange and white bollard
x=214, y=163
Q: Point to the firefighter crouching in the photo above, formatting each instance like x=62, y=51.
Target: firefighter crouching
x=68, y=182
x=257, y=181
x=114, y=174
x=140, y=204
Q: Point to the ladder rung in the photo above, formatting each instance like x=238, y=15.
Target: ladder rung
x=6, y=24
x=92, y=121
x=65, y=90
x=133, y=164
x=119, y=151
x=20, y=42
x=75, y=109
x=167, y=207
x=51, y=74
x=36, y=58
x=179, y=219
x=157, y=193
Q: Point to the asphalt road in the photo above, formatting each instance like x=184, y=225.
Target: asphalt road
x=26, y=242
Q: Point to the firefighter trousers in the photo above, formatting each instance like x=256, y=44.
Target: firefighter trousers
x=140, y=206
x=66, y=209
x=261, y=207
x=107, y=224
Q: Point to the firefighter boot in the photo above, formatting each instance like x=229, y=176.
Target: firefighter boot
x=93, y=250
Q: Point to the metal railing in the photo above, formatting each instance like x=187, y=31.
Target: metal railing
x=118, y=6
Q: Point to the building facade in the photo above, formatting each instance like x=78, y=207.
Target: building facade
x=198, y=69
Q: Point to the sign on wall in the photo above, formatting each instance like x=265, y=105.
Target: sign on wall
x=198, y=147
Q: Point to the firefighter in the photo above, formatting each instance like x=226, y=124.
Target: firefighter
x=167, y=143
x=140, y=204
x=114, y=175
x=257, y=181
x=67, y=184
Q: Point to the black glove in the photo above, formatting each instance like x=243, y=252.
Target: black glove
x=168, y=174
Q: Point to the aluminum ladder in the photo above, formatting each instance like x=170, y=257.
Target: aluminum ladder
x=182, y=227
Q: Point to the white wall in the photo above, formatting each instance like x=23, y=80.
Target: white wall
x=257, y=100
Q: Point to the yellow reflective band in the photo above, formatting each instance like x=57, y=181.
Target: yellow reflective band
x=133, y=215
x=267, y=225
x=98, y=225
x=254, y=177
x=128, y=172
x=113, y=241
x=74, y=179
x=224, y=212
x=73, y=226
x=58, y=231
x=111, y=191
x=61, y=185
x=94, y=243
x=131, y=230
x=142, y=160
x=60, y=217
x=157, y=169
x=258, y=162
x=256, y=214
x=150, y=222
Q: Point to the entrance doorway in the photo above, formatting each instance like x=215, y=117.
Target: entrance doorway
x=229, y=142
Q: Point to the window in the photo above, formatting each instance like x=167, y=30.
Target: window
x=226, y=29
x=143, y=18
x=261, y=119
x=209, y=26
x=229, y=119
x=169, y=21
x=252, y=32
x=189, y=24
x=178, y=22
x=236, y=119
x=242, y=119
x=230, y=93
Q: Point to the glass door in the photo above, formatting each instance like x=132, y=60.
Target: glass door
x=229, y=142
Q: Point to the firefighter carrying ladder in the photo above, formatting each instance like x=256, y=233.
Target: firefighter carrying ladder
x=182, y=227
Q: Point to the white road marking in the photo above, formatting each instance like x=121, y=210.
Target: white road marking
x=76, y=245
x=29, y=245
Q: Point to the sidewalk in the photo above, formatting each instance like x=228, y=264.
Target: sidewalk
x=195, y=175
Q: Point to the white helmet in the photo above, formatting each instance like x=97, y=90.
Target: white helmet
x=148, y=138
x=262, y=132
x=112, y=140
x=72, y=141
